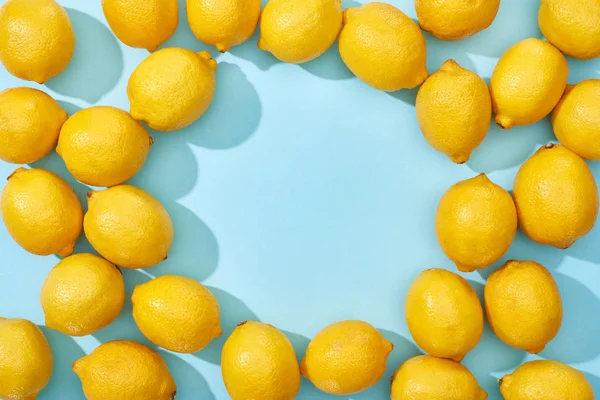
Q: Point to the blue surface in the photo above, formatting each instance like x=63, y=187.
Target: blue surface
x=304, y=197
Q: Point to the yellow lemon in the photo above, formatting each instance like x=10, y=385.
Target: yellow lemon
x=383, y=47
x=144, y=24
x=345, y=358
x=223, y=24
x=37, y=40
x=527, y=83
x=443, y=314
x=299, y=31
x=124, y=370
x=176, y=313
x=128, y=226
x=456, y=19
x=548, y=380
x=454, y=110
x=576, y=119
x=172, y=88
x=82, y=294
x=431, y=378
x=476, y=222
x=523, y=305
x=103, y=146
x=25, y=360
x=30, y=121
x=572, y=26
x=258, y=362
x=556, y=197
x=41, y=212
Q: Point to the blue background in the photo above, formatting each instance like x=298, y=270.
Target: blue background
x=304, y=197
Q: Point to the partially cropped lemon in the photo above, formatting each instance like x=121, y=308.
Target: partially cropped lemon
x=456, y=19
x=454, y=110
x=172, y=88
x=128, y=226
x=144, y=24
x=37, y=40
x=223, y=24
x=299, y=31
x=572, y=26
x=475, y=223
x=345, y=358
x=258, y=362
x=528, y=82
x=30, y=121
x=383, y=47
x=103, y=146
x=82, y=294
x=41, y=212
x=431, y=378
x=122, y=370
x=176, y=313
x=443, y=314
x=25, y=360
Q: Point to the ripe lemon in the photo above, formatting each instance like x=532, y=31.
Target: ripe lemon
x=103, y=146
x=41, y=212
x=144, y=24
x=128, y=226
x=223, y=24
x=476, y=222
x=176, y=313
x=443, y=314
x=299, y=31
x=258, y=362
x=124, y=370
x=172, y=88
x=454, y=110
x=25, y=360
x=37, y=40
x=527, y=83
x=383, y=47
x=556, y=197
x=82, y=294
x=30, y=121
x=345, y=358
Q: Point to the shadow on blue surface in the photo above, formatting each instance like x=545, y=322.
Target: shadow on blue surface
x=249, y=51
x=190, y=383
x=184, y=37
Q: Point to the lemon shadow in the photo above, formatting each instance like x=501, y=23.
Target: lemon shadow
x=184, y=37
x=190, y=383
x=250, y=52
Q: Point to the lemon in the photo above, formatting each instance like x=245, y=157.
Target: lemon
x=576, y=119
x=456, y=19
x=383, y=47
x=37, y=40
x=258, y=362
x=476, y=222
x=103, y=146
x=25, y=360
x=454, y=110
x=128, y=226
x=443, y=314
x=572, y=26
x=82, y=294
x=299, y=31
x=176, y=313
x=527, y=83
x=548, y=380
x=144, y=24
x=172, y=88
x=345, y=358
x=223, y=24
x=431, y=378
x=41, y=212
x=124, y=370
x=523, y=305
x=556, y=197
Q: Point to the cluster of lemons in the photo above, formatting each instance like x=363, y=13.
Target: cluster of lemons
x=555, y=199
